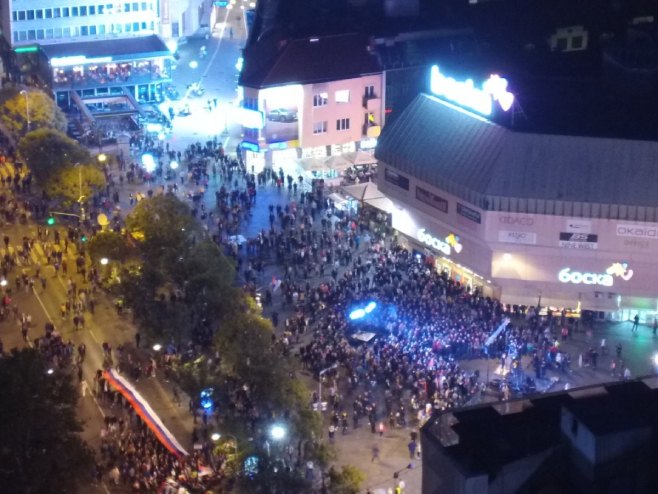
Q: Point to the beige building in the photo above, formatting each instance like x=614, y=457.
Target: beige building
x=310, y=98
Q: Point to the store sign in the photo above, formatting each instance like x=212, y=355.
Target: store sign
x=510, y=237
x=464, y=93
x=444, y=246
x=250, y=119
x=77, y=60
x=617, y=269
x=469, y=213
x=587, y=241
x=579, y=226
x=637, y=231
x=516, y=220
x=396, y=179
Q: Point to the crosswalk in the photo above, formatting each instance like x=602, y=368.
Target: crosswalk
x=7, y=170
x=36, y=255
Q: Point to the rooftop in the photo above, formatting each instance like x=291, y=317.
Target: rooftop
x=469, y=156
x=308, y=61
x=118, y=49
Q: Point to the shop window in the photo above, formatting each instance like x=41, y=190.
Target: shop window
x=320, y=99
x=320, y=127
x=343, y=96
x=343, y=124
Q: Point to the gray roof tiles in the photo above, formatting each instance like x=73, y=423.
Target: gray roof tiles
x=457, y=151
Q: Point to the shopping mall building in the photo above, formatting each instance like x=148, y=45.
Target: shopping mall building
x=564, y=221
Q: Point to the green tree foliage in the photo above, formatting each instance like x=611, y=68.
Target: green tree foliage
x=48, y=152
x=347, y=480
x=40, y=449
x=185, y=284
x=43, y=111
x=111, y=245
x=71, y=182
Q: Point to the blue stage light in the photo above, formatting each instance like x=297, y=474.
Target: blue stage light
x=370, y=307
x=357, y=314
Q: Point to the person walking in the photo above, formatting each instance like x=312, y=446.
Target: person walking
x=375, y=453
x=636, y=323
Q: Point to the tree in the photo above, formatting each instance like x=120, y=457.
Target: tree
x=40, y=447
x=111, y=245
x=347, y=480
x=72, y=182
x=43, y=111
x=47, y=152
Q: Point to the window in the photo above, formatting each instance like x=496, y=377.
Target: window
x=370, y=92
x=66, y=32
x=84, y=30
x=126, y=7
x=320, y=127
x=30, y=15
x=562, y=44
x=343, y=96
x=135, y=6
x=92, y=30
x=49, y=13
x=58, y=32
x=576, y=42
x=83, y=10
x=144, y=26
x=31, y=34
x=101, y=29
x=144, y=6
x=101, y=9
x=14, y=16
x=74, y=11
x=41, y=34
x=135, y=26
x=38, y=14
x=65, y=11
x=22, y=35
x=396, y=179
x=21, y=15
x=320, y=99
x=92, y=10
x=343, y=124
x=57, y=12
x=15, y=36
x=127, y=27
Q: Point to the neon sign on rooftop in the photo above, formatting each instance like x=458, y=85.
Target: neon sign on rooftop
x=464, y=93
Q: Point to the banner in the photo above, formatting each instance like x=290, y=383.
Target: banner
x=145, y=411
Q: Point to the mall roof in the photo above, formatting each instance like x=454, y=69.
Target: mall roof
x=472, y=157
x=308, y=61
x=121, y=49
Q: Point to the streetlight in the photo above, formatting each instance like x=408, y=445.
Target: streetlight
x=215, y=436
x=3, y=283
x=102, y=158
x=277, y=432
x=173, y=165
x=322, y=372
x=27, y=107
x=157, y=347
x=194, y=64
x=80, y=196
x=104, y=261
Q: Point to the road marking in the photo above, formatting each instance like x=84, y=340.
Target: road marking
x=91, y=393
x=91, y=332
x=42, y=306
x=214, y=55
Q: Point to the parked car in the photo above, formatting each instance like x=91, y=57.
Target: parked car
x=282, y=115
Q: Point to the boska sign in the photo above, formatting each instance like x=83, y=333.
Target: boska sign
x=433, y=242
x=578, y=278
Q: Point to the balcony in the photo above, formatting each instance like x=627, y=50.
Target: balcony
x=372, y=103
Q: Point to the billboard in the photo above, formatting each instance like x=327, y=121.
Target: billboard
x=281, y=105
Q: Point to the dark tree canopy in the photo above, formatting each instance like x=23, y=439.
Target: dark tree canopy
x=40, y=449
x=48, y=152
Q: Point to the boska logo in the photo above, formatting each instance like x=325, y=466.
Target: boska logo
x=433, y=242
x=578, y=278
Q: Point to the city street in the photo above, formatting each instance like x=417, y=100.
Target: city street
x=210, y=118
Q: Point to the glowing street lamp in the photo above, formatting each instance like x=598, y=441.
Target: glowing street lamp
x=157, y=347
x=3, y=283
x=104, y=261
x=194, y=64
x=173, y=165
x=102, y=158
x=215, y=436
x=277, y=432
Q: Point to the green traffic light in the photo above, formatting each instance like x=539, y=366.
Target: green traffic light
x=83, y=238
x=50, y=221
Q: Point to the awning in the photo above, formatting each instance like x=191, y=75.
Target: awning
x=337, y=198
x=363, y=192
x=337, y=163
x=382, y=203
x=360, y=158
x=105, y=51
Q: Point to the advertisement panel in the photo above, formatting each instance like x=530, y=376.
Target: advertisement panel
x=579, y=240
x=281, y=106
x=511, y=237
x=431, y=199
x=469, y=213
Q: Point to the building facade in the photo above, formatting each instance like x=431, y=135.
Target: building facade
x=312, y=98
x=536, y=219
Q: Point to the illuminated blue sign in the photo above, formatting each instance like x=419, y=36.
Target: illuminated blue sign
x=250, y=146
x=464, y=93
x=363, y=311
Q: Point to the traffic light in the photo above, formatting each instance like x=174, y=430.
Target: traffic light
x=83, y=238
x=50, y=221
